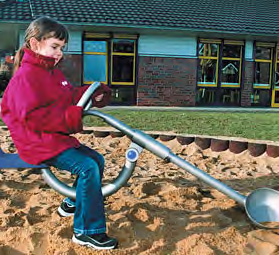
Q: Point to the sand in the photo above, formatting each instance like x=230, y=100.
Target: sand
x=161, y=210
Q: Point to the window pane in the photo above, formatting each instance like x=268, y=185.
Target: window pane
x=277, y=76
x=95, y=46
x=123, y=69
x=123, y=96
x=207, y=71
x=95, y=68
x=230, y=71
x=231, y=51
x=123, y=45
x=263, y=53
x=276, y=101
x=205, y=96
x=262, y=73
x=261, y=97
x=230, y=96
x=208, y=49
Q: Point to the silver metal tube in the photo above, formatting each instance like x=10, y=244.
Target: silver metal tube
x=112, y=122
x=107, y=189
x=56, y=184
x=137, y=136
x=122, y=179
x=164, y=152
x=152, y=145
x=208, y=179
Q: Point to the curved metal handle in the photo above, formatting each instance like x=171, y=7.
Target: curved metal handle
x=85, y=101
x=107, y=190
x=131, y=159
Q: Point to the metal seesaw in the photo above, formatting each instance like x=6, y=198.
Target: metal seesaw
x=261, y=205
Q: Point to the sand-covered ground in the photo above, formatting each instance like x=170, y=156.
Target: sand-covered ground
x=161, y=210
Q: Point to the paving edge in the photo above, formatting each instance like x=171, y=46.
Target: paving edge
x=235, y=145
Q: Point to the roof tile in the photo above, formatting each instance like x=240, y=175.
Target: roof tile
x=239, y=16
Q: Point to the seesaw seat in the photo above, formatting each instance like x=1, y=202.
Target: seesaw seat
x=14, y=161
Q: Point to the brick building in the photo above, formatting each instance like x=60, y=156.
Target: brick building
x=163, y=52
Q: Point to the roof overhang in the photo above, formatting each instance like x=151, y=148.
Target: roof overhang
x=174, y=31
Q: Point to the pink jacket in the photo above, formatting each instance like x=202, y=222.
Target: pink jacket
x=39, y=108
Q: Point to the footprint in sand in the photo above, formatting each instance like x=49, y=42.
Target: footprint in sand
x=40, y=243
x=146, y=189
x=13, y=220
x=66, y=232
x=7, y=250
x=34, y=216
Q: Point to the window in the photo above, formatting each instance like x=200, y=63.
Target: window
x=276, y=97
x=231, y=64
x=276, y=81
x=261, y=97
x=95, y=62
x=263, y=74
x=123, y=62
x=230, y=96
x=208, y=53
x=263, y=65
x=219, y=72
x=111, y=59
x=100, y=52
x=123, y=95
x=206, y=96
x=275, y=90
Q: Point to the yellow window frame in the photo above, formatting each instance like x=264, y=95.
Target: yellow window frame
x=226, y=42
x=232, y=42
x=97, y=53
x=210, y=41
x=123, y=54
x=89, y=35
x=216, y=41
x=125, y=36
x=265, y=44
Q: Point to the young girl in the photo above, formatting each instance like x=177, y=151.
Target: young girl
x=39, y=108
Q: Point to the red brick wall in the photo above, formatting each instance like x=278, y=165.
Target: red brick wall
x=166, y=81
x=163, y=81
x=248, y=79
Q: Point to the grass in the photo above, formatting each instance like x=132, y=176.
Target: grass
x=261, y=126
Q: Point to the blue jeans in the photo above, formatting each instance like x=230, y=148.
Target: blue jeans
x=88, y=165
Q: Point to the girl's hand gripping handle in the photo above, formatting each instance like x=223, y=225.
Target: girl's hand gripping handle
x=85, y=100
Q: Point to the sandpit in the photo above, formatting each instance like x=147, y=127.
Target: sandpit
x=161, y=210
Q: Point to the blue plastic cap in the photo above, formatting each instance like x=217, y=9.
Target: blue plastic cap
x=132, y=155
